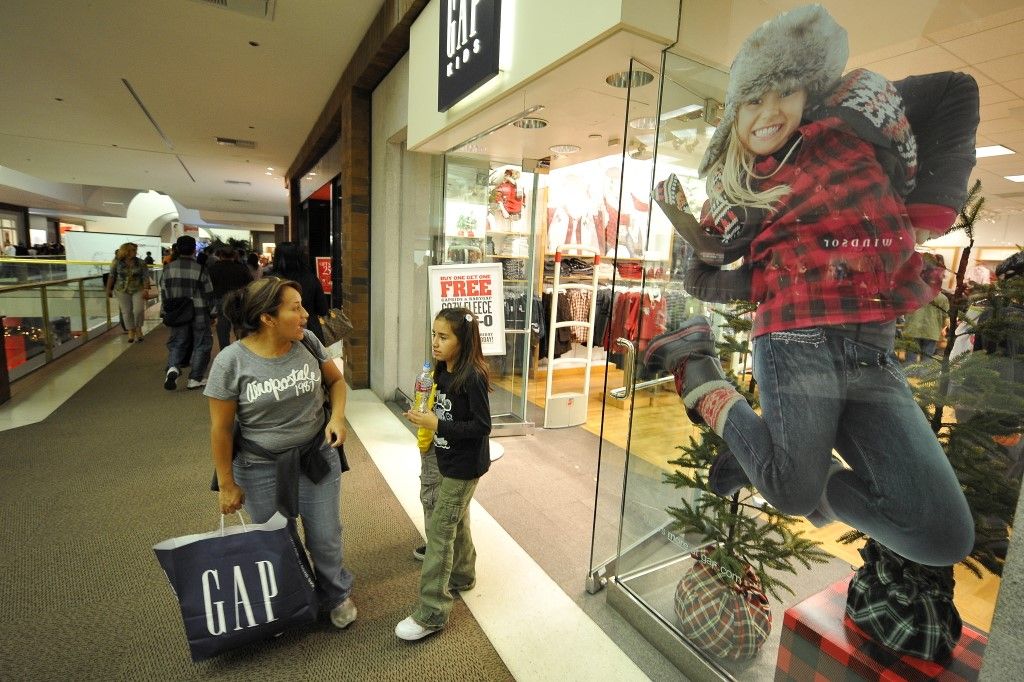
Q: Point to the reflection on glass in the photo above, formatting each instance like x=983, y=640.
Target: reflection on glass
x=686, y=553
x=488, y=211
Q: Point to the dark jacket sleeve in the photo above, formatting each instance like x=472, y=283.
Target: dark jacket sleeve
x=479, y=423
x=712, y=284
x=943, y=110
x=206, y=291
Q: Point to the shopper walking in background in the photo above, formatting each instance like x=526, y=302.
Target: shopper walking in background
x=129, y=281
x=253, y=262
x=461, y=422
x=227, y=275
x=185, y=277
x=290, y=263
x=286, y=455
x=924, y=327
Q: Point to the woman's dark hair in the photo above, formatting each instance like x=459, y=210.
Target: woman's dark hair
x=289, y=261
x=253, y=260
x=244, y=307
x=471, y=357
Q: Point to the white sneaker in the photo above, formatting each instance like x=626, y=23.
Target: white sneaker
x=410, y=630
x=171, y=380
x=194, y=384
x=343, y=614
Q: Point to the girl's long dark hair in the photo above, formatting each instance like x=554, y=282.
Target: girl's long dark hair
x=471, y=360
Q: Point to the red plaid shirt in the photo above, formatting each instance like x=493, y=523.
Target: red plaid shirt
x=839, y=247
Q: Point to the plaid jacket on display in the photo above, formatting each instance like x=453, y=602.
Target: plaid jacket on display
x=839, y=247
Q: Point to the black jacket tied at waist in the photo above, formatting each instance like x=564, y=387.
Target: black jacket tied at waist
x=304, y=458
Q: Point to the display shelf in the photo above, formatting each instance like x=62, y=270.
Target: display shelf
x=505, y=232
x=501, y=255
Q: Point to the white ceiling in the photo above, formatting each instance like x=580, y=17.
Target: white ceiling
x=982, y=37
x=192, y=66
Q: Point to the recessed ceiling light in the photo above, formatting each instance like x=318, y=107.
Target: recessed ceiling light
x=644, y=123
x=312, y=174
x=688, y=112
x=564, y=148
x=270, y=168
x=629, y=79
x=529, y=123
x=268, y=173
x=992, y=150
x=1014, y=178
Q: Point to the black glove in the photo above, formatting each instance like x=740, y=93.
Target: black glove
x=708, y=248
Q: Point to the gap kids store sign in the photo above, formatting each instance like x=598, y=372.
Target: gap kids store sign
x=470, y=31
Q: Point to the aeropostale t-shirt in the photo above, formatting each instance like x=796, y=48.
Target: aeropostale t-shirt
x=280, y=400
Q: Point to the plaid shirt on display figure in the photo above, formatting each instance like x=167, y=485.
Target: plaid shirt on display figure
x=186, y=277
x=843, y=248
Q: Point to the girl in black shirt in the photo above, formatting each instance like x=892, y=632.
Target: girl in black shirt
x=461, y=422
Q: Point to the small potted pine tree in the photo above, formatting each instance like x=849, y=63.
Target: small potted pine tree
x=744, y=544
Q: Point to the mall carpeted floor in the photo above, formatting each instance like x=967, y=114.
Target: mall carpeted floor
x=125, y=464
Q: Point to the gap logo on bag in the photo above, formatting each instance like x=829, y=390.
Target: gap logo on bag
x=239, y=584
x=215, y=617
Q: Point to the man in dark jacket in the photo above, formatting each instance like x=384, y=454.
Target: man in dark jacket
x=227, y=275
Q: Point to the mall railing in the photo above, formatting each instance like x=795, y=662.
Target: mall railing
x=48, y=308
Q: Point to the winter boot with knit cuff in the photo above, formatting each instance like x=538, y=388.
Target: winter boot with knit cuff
x=689, y=354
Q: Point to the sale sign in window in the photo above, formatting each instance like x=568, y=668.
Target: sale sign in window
x=477, y=287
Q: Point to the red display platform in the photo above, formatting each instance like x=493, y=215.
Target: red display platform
x=820, y=643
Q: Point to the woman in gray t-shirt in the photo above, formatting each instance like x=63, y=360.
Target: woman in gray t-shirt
x=284, y=456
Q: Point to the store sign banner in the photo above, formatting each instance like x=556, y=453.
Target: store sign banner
x=323, y=273
x=477, y=287
x=469, y=34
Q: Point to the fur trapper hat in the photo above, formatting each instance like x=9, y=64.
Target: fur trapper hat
x=803, y=48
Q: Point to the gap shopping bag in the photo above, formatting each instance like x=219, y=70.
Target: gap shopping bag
x=239, y=584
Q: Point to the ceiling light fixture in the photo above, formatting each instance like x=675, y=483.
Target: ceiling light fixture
x=992, y=150
x=270, y=168
x=629, y=79
x=498, y=126
x=644, y=123
x=1014, y=178
x=564, y=148
x=530, y=123
x=689, y=112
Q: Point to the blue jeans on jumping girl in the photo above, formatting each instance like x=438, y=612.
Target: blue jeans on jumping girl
x=822, y=388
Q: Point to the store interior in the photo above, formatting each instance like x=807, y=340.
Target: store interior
x=542, y=184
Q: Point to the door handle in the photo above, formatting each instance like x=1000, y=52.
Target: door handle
x=628, y=370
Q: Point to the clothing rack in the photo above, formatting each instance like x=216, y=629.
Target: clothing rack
x=569, y=408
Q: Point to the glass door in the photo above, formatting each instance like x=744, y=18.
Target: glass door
x=489, y=218
x=645, y=554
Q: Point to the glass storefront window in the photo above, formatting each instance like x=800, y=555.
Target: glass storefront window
x=730, y=584
x=488, y=218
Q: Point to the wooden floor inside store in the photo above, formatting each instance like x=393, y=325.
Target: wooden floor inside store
x=659, y=425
